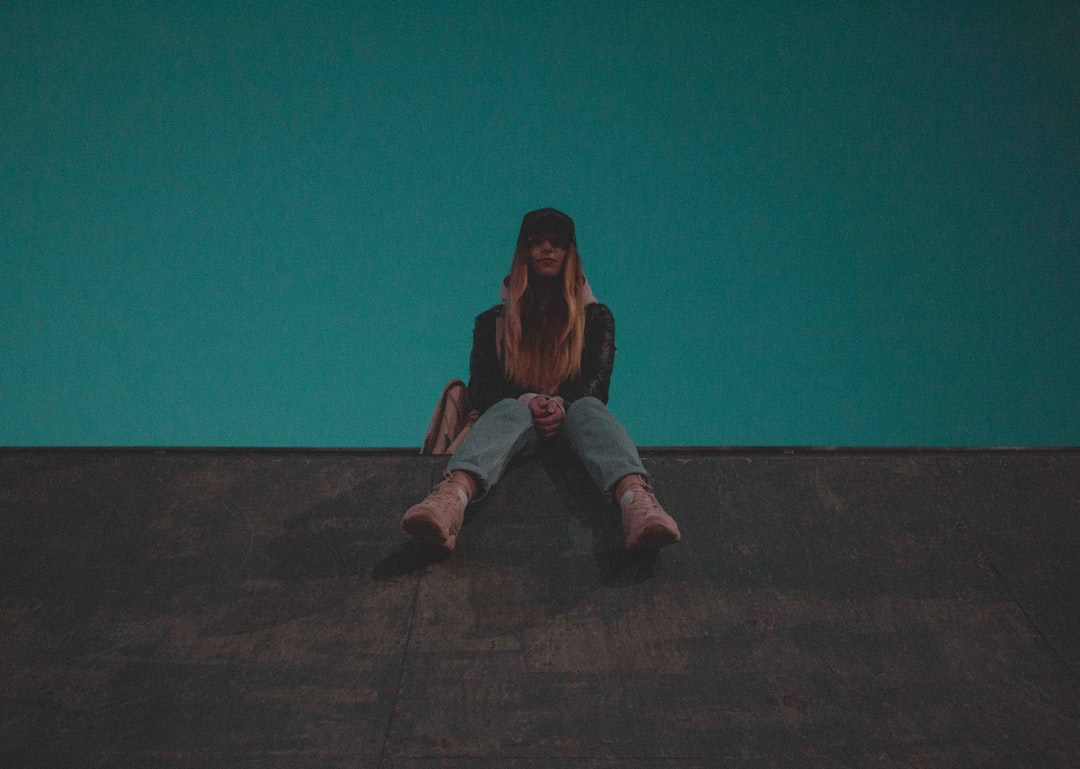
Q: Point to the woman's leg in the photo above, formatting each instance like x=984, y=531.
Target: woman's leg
x=612, y=460
x=501, y=433
x=604, y=445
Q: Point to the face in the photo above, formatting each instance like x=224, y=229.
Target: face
x=547, y=256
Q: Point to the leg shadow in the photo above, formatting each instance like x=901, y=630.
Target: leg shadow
x=411, y=557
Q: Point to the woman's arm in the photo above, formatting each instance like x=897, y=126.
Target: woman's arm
x=597, y=358
x=487, y=384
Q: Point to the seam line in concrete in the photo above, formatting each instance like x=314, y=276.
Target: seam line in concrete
x=401, y=672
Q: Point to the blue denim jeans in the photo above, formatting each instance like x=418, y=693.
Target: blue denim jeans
x=505, y=431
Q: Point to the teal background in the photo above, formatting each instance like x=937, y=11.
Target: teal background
x=271, y=224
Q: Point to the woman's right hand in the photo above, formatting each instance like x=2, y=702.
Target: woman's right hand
x=547, y=415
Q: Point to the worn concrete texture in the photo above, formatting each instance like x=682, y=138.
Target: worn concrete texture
x=185, y=608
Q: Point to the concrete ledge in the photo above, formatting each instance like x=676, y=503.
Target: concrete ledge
x=877, y=607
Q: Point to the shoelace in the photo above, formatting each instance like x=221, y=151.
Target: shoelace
x=643, y=497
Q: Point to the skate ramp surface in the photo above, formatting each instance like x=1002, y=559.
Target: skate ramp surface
x=875, y=608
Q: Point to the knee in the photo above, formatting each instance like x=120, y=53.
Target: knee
x=508, y=408
x=583, y=408
x=511, y=404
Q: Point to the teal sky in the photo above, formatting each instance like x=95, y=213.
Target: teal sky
x=271, y=224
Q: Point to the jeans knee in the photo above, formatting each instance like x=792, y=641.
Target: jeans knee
x=508, y=412
x=583, y=407
x=508, y=406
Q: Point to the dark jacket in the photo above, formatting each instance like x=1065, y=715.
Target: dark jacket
x=488, y=384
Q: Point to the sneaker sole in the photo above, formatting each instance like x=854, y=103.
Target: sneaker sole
x=427, y=532
x=653, y=537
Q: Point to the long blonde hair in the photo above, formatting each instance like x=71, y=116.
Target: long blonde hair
x=541, y=346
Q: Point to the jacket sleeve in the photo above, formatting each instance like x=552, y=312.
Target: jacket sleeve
x=597, y=358
x=487, y=384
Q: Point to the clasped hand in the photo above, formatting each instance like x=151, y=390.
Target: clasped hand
x=547, y=415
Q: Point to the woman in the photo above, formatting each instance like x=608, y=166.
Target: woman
x=539, y=370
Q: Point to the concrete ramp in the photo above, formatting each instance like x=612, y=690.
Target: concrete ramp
x=260, y=609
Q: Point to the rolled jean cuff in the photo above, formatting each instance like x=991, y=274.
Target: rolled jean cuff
x=483, y=485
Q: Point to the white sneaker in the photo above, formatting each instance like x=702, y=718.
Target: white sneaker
x=646, y=525
x=437, y=520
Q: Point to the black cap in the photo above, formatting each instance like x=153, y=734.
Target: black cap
x=546, y=221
